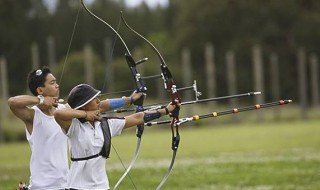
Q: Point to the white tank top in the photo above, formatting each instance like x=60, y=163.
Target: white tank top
x=49, y=159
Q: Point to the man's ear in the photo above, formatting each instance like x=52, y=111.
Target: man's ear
x=40, y=90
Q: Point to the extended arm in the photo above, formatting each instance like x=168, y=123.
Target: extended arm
x=111, y=104
x=143, y=117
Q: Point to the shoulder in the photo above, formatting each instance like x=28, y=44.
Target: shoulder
x=61, y=106
x=74, y=127
x=114, y=120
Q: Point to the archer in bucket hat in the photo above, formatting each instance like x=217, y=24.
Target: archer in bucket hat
x=89, y=134
x=81, y=94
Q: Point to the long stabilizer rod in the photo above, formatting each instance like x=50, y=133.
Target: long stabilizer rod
x=216, y=114
x=190, y=102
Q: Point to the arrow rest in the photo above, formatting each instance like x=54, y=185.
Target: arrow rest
x=141, y=61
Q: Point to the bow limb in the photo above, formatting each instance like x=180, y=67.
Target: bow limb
x=131, y=63
x=69, y=46
x=140, y=87
x=166, y=74
x=109, y=26
x=175, y=98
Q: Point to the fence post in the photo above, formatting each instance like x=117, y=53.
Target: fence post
x=35, y=57
x=187, y=80
x=258, y=77
x=51, y=54
x=314, y=71
x=232, y=81
x=4, y=94
x=108, y=82
x=302, y=82
x=186, y=70
x=275, y=82
x=210, y=72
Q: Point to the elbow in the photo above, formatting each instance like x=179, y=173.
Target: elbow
x=11, y=102
x=57, y=114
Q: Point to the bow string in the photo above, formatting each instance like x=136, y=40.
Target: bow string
x=170, y=86
x=140, y=88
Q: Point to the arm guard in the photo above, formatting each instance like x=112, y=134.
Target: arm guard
x=116, y=103
x=151, y=116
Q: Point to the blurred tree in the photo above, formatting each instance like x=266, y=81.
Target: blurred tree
x=14, y=40
x=278, y=26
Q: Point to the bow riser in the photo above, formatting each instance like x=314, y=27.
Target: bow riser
x=175, y=99
x=136, y=75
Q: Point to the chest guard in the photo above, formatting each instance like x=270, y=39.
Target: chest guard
x=105, y=151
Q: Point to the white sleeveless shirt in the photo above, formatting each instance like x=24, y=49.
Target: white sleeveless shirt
x=49, y=159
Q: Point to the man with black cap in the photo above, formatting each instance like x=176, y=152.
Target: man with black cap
x=86, y=130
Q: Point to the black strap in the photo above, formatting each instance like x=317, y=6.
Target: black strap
x=85, y=158
x=105, y=151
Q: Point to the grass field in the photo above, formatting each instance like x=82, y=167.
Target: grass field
x=283, y=155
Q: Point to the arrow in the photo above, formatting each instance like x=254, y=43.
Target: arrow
x=153, y=107
x=216, y=114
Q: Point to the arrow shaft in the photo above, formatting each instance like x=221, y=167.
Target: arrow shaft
x=221, y=98
x=191, y=102
x=216, y=114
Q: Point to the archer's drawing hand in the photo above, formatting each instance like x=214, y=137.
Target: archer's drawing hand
x=50, y=101
x=93, y=115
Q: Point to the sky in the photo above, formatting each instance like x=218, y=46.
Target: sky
x=151, y=3
x=131, y=3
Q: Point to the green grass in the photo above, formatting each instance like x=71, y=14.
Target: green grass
x=271, y=155
x=14, y=164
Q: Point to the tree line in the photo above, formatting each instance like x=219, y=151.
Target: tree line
x=280, y=27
